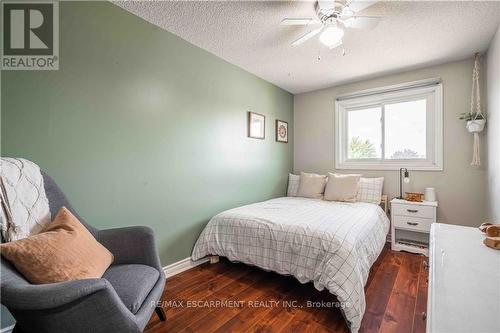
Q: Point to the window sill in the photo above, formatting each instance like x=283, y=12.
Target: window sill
x=379, y=166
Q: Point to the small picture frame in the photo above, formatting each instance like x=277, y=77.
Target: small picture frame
x=281, y=131
x=256, y=125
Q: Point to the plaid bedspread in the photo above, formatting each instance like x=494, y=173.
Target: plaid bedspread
x=332, y=244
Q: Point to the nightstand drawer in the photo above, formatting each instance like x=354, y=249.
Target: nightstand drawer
x=425, y=212
x=412, y=223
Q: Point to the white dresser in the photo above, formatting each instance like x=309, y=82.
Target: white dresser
x=410, y=225
x=464, y=282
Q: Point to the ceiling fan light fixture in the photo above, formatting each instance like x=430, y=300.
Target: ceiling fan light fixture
x=331, y=37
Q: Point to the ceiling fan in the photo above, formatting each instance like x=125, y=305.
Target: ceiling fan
x=334, y=17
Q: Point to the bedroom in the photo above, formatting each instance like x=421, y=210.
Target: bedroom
x=253, y=132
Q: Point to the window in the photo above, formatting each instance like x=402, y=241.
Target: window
x=390, y=128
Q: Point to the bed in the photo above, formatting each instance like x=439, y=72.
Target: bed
x=332, y=244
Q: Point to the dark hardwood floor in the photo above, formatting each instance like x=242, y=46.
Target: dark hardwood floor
x=396, y=297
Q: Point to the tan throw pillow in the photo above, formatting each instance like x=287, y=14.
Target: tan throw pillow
x=341, y=187
x=311, y=185
x=64, y=251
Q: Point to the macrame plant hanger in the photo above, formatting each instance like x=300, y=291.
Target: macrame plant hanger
x=473, y=125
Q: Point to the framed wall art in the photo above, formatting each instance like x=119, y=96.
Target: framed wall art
x=256, y=125
x=281, y=131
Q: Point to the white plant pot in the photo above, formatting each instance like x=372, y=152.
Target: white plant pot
x=475, y=126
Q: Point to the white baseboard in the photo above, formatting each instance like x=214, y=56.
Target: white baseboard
x=181, y=266
x=7, y=329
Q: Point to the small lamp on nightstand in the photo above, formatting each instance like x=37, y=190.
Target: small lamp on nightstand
x=406, y=180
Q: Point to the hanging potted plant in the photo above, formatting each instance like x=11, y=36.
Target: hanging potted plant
x=475, y=118
x=475, y=121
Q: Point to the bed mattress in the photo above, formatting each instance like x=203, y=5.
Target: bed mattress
x=331, y=244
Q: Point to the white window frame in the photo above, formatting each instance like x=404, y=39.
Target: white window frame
x=431, y=90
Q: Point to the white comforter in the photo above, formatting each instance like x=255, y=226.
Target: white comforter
x=331, y=244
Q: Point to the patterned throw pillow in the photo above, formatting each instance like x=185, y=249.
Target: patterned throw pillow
x=293, y=185
x=370, y=190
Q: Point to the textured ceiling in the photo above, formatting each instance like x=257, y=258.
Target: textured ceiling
x=249, y=35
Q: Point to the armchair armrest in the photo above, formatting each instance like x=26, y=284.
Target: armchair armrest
x=25, y=296
x=131, y=245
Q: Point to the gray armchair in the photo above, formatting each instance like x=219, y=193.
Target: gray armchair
x=123, y=300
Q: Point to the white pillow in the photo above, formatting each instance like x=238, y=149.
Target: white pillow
x=341, y=187
x=311, y=185
x=370, y=190
x=293, y=185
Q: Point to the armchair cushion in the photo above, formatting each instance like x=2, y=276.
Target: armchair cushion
x=132, y=283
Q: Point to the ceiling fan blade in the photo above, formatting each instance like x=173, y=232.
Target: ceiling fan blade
x=359, y=5
x=362, y=22
x=299, y=21
x=307, y=36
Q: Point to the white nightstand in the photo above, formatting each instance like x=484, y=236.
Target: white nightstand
x=411, y=224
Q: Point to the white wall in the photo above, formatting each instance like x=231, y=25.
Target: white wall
x=493, y=132
x=461, y=189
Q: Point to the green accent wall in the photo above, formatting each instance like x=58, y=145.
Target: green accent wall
x=139, y=127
